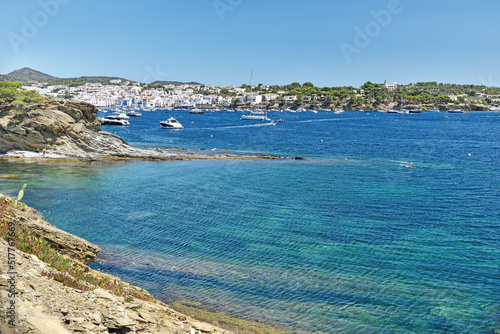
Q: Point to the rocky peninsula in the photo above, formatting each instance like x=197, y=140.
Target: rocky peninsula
x=70, y=130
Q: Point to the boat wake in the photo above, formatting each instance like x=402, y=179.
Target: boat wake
x=240, y=126
x=319, y=120
x=403, y=162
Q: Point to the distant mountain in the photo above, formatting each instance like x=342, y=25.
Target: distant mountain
x=27, y=73
x=176, y=83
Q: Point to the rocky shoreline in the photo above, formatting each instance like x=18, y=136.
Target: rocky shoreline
x=164, y=155
x=70, y=131
x=43, y=303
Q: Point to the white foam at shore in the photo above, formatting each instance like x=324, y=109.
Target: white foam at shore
x=29, y=154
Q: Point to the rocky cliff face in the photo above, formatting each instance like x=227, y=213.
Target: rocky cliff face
x=42, y=129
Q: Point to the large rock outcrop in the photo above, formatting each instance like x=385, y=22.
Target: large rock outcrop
x=66, y=129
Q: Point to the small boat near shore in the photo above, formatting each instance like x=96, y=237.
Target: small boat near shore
x=457, y=111
x=171, y=123
x=196, y=111
x=133, y=113
x=255, y=117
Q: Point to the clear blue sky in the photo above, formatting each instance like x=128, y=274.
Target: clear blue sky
x=220, y=41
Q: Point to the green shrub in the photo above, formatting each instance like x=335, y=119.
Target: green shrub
x=22, y=100
x=8, y=91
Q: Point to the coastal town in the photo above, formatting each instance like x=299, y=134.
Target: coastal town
x=136, y=96
x=123, y=94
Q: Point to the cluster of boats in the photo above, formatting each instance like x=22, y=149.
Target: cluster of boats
x=122, y=119
x=129, y=109
x=403, y=111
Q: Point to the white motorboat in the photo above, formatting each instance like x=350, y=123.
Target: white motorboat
x=134, y=113
x=171, y=123
x=122, y=122
x=116, y=119
x=118, y=115
x=254, y=117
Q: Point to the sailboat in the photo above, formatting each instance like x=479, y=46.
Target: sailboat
x=254, y=116
x=313, y=110
x=401, y=110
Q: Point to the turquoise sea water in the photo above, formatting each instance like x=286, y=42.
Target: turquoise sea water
x=326, y=245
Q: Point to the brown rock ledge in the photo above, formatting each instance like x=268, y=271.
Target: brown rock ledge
x=46, y=306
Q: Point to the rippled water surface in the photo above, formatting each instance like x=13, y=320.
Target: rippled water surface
x=350, y=241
